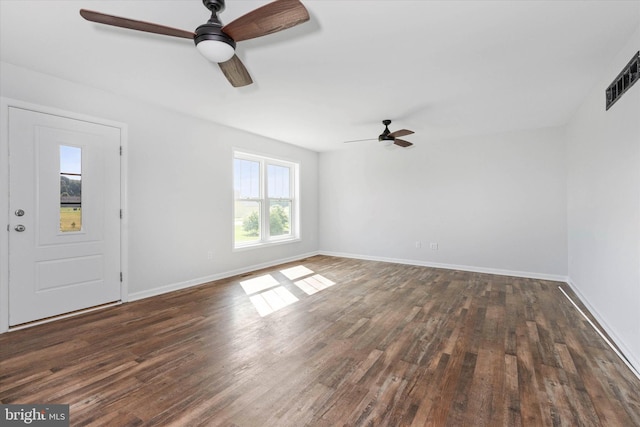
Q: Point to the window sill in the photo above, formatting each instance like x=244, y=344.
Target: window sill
x=266, y=244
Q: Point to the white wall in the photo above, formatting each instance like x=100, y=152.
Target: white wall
x=179, y=184
x=604, y=207
x=492, y=203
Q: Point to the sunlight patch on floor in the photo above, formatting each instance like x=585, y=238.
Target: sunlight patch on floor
x=258, y=284
x=296, y=272
x=313, y=284
x=272, y=300
x=268, y=295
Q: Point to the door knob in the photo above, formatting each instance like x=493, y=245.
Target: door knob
x=19, y=228
x=19, y=212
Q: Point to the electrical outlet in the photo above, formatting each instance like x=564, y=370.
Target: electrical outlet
x=418, y=245
x=433, y=246
x=210, y=255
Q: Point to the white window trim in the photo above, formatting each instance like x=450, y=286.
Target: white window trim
x=263, y=200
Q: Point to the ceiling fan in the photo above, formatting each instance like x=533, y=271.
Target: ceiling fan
x=391, y=137
x=216, y=42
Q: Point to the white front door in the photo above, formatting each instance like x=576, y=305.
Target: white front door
x=64, y=215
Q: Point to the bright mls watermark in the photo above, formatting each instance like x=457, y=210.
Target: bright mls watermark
x=34, y=415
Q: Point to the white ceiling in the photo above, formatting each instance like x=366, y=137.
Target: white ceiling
x=440, y=68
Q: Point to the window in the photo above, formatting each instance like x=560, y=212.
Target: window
x=266, y=205
x=70, y=189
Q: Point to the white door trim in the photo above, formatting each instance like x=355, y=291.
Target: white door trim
x=5, y=104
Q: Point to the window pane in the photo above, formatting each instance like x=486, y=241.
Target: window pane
x=247, y=222
x=246, y=179
x=70, y=160
x=279, y=217
x=278, y=179
x=70, y=189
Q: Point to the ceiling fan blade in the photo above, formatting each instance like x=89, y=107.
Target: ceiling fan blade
x=270, y=18
x=235, y=71
x=402, y=142
x=132, y=24
x=401, y=132
x=360, y=140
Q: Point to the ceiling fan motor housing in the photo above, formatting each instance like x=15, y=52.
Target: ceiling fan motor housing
x=213, y=44
x=384, y=136
x=212, y=31
x=218, y=46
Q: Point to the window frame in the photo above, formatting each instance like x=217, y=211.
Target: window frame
x=264, y=201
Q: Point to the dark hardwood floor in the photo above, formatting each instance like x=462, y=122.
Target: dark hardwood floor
x=360, y=343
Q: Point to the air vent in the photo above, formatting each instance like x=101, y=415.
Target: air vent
x=627, y=77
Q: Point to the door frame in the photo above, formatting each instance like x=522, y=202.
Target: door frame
x=5, y=104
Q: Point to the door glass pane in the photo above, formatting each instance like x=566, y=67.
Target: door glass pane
x=279, y=217
x=70, y=188
x=247, y=221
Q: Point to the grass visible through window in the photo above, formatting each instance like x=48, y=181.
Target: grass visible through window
x=241, y=235
x=70, y=219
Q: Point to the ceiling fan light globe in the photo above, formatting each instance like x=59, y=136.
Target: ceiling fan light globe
x=216, y=50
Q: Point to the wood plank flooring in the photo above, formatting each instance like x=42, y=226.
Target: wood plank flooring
x=351, y=343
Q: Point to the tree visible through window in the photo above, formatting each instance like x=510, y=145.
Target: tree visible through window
x=265, y=208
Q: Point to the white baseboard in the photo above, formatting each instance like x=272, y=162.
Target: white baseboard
x=624, y=349
x=474, y=269
x=201, y=280
x=218, y=276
